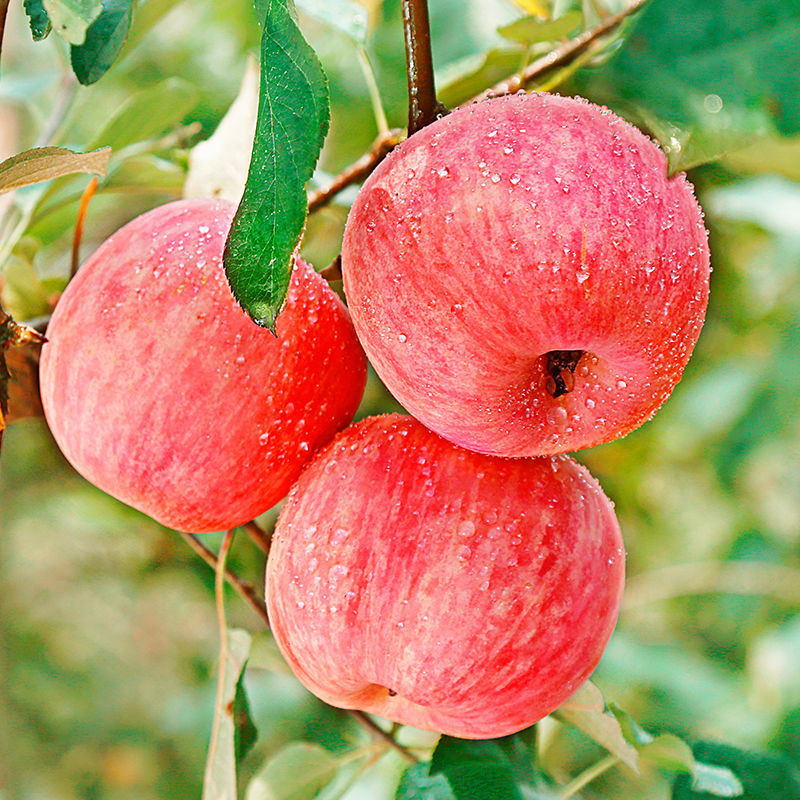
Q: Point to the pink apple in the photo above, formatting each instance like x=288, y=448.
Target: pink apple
x=524, y=276
x=439, y=587
x=160, y=390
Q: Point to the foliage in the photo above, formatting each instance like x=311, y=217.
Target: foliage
x=107, y=627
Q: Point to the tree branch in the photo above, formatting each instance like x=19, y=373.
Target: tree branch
x=385, y=143
x=258, y=535
x=244, y=588
x=381, y=735
x=3, y=12
x=357, y=171
x=558, y=57
x=423, y=108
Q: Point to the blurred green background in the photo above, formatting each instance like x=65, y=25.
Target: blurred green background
x=108, y=638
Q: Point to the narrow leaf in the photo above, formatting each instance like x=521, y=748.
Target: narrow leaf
x=218, y=166
x=719, y=781
x=293, y=117
x=71, y=18
x=245, y=733
x=220, y=776
x=104, y=39
x=585, y=710
x=38, y=19
x=530, y=30
x=346, y=16
x=298, y=772
x=46, y=163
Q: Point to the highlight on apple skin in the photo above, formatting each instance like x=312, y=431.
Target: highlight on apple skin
x=437, y=587
x=162, y=392
x=525, y=277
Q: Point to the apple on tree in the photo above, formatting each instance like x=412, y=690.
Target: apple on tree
x=161, y=391
x=525, y=277
x=439, y=587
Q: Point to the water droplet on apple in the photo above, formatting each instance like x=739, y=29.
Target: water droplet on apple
x=466, y=528
x=402, y=338
x=490, y=516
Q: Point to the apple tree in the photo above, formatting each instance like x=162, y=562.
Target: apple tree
x=168, y=173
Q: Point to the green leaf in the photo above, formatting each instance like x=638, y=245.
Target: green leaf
x=148, y=113
x=220, y=775
x=706, y=82
x=46, y=163
x=346, y=16
x=104, y=39
x=245, y=733
x=417, y=783
x=472, y=74
x=530, y=30
x=297, y=772
x=669, y=752
x=38, y=19
x=71, y=18
x=475, y=769
x=293, y=118
x=725, y=771
x=585, y=710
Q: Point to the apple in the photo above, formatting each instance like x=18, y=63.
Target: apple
x=442, y=588
x=161, y=391
x=525, y=277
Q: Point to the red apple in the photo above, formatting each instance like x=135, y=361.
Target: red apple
x=160, y=390
x=525, y=277
x=439, y=587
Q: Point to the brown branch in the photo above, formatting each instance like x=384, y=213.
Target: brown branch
x=244, y=588
x=423, y=108
x=558, y=57
x=258, y=535
x=385, y=143
x=357, y=171
x=3, y=12
x=379, y=734
x=333, y=272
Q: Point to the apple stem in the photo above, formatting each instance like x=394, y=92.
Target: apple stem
x=423, y=107
x=87, y=195
x=380, y=734
x=560, y=367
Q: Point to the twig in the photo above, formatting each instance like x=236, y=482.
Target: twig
x=423, y=107
x=385, y=143
x=357, y=171
x=561, y=55
x=711, y=577
x=588, y=775
x=378, y=733
x=258, y=535
x=3, y=12
x=219, y=581
x=333, y=272
x=87, y=195
x=244, y=588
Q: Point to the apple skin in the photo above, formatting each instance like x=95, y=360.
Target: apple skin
x=161, y=391
x=517, y=227
x=442, y=588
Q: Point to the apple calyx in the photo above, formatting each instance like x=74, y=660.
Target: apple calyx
x=560, y=366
